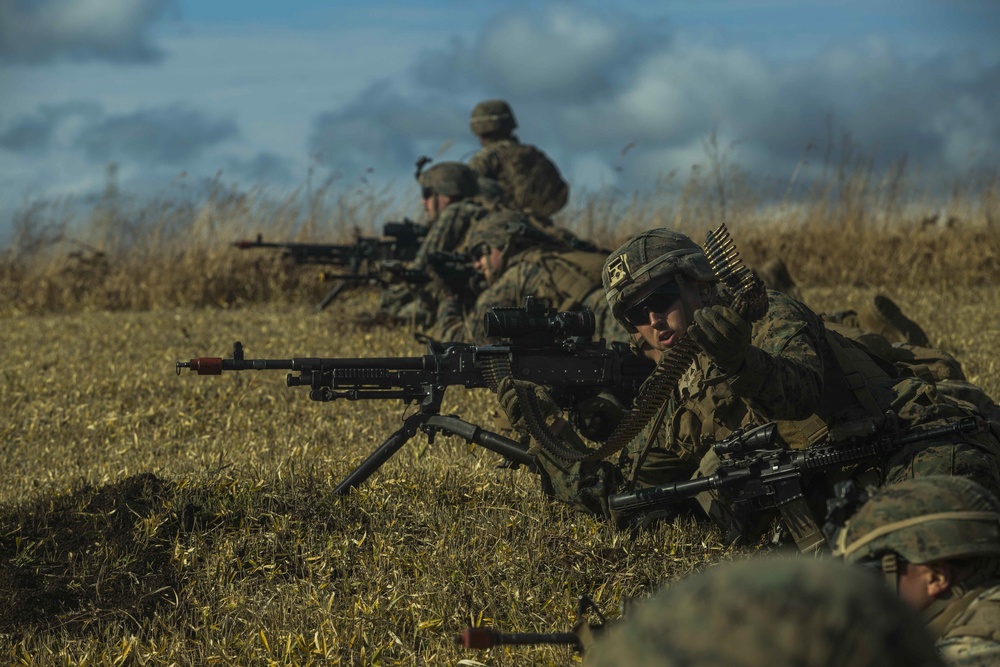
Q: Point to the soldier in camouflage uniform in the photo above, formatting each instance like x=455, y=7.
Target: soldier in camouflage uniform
x=519, y=260
x=784, y=367
x=449, y=194
x=936, y=540
x=526, y=175
x=765, y=612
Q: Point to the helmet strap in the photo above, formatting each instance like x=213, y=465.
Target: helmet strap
x=890, y=571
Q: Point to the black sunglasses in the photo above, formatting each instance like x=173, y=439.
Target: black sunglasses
x=478, y=250
x=657, y=301
x=426, y=193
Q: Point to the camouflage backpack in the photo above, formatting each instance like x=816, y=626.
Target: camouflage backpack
x=530, y=178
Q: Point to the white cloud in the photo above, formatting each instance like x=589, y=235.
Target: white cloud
x=39, y=31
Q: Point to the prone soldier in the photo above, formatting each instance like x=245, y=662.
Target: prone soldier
x=520, y=260
x=783, y=367
x=936, y=542
x=448, y=191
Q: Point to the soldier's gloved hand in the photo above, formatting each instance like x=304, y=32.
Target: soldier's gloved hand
x=597, y=417
x=507, y=392
x=723, y=335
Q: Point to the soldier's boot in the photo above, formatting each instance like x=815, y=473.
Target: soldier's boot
x=884, y=317
x=775, y=275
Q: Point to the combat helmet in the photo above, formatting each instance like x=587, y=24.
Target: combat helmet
x=932, y=518
x=491, y=116
x=768, y=611
x=451, y=179
x=495, y=230
x=647, y=261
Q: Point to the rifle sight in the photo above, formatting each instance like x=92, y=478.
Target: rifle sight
x=536, y=320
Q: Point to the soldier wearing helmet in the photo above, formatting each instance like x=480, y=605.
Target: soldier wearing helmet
x=763, y=612
x=784, y=367
x=448, y=192
x=936, y=541
x=519, y=259
x=526, y=175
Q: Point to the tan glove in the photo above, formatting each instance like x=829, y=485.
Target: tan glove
x=507, y=395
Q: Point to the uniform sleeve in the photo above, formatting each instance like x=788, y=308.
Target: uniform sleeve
x=969, y=651
x=783, y=374
x=445, y=234
x=450, y=323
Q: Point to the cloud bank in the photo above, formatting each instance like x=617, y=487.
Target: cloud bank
x=586, y=83
x=41, y=31
x=175, y=135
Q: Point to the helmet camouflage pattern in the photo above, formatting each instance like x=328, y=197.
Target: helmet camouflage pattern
x=495, y=229
x=937, y=517
x=649, y=260
x=451, y=179
x=764, y=612
x=492, y=116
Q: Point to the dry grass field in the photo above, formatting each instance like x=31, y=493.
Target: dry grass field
x=150, y=519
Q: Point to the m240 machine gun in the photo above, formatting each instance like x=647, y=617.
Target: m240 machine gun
x=360, y=262
x=543, y=346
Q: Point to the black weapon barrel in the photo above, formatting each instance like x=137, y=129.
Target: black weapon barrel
x=672, y=492
x=308, y=364
x=215, y=365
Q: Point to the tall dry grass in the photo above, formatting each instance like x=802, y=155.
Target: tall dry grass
x=854, y=227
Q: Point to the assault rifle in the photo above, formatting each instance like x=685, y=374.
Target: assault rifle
x=361, y=259
x=755, y=471
x=544, y=346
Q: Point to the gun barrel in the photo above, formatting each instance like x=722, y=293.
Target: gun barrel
x=215, y=365
x=670, y=493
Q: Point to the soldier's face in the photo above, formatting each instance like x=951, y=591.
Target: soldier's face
x=920, y=585
x=659, y=316
x=490, y=263
x=434, y=204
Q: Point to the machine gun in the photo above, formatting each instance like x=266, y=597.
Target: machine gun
x=544, y=346
x=580, y=637
x=361, y=260
x=755, y=471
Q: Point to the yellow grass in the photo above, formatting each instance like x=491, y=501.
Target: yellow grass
x=147, y=519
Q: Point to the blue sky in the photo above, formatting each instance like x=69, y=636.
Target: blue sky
x=267, y=91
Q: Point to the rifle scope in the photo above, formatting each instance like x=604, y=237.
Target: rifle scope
x=518, y=322
x=406, y=230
